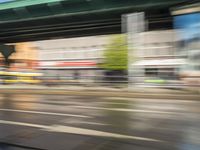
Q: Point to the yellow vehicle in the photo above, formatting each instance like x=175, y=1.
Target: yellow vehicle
x=20, y=77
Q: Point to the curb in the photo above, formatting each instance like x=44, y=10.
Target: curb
x=95, y=93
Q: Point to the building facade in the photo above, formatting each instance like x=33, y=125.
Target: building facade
x=158, y=55
x=76, y=58
x=24, y=58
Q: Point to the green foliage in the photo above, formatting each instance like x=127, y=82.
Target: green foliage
x=116, y=56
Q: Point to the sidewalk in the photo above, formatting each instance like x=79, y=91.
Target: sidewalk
x=145, y=92
x=137, y=89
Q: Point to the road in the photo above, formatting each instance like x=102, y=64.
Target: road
x=70, y=122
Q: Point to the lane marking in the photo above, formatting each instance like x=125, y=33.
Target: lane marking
x=83, y=131
x=22, y=124
x=50, y=102
x=45, y=113
x=114, y=103
x=88, y=122
x=119, y=98
x=78, y=131
x=149, y=100
x=125, y=110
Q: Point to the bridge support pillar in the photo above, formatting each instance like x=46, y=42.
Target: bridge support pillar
x=132, y=25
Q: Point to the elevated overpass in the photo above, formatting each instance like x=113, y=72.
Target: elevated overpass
x=27, y=20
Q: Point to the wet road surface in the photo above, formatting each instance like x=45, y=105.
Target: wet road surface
x=61, y=122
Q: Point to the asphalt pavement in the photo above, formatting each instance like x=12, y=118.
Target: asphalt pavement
x=78, y=122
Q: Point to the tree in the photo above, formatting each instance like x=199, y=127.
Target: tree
x=116, y=59
x=115, y=56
